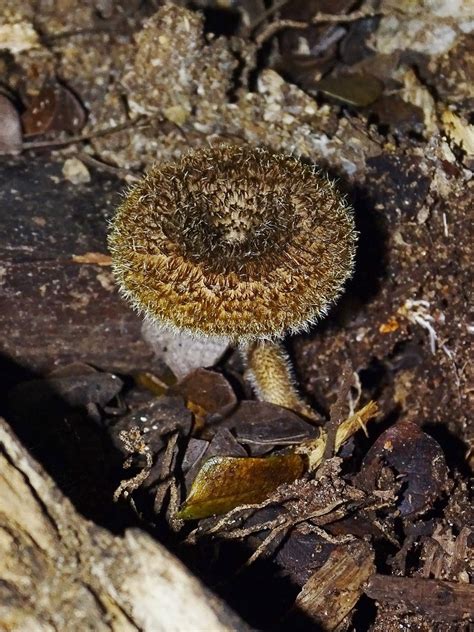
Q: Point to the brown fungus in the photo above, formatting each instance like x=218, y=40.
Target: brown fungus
x=236, y=242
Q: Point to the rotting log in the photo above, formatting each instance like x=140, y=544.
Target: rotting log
x=59, y=571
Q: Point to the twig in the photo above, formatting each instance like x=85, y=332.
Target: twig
x=267, y=14
x=48, y=39
x=103, y=166
x=140, y=120
x=164, y=473
x=337, y=412
x=319, y=18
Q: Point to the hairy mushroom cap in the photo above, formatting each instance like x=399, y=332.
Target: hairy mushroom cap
x=233, y=241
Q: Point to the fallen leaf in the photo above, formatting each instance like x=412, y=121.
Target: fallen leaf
x=262, y=426
x=156, y=420
x=399, y=115
x=54, y=109
x=62, y=389
x=358, y=90
x=207, y=393
x=227, y=482
x=223, y=444
x=418, y=460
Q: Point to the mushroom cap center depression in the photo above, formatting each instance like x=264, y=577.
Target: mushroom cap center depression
x=228, y=226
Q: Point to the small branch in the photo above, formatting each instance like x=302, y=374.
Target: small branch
x=319, y=18
x=141, y=120
x=103, y=166
x=267, y=14
x=337, y=413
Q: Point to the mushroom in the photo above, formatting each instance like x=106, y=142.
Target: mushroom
x=236, y=242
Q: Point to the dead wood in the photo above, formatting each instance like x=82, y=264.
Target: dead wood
x=59, y=571
x=437, y=599
x=334, y=589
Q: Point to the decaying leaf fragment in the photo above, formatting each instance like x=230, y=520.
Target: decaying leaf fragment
x=207, y=393
x=358, y=90
x=226, y=482
x=315, y=449
x=54, y=109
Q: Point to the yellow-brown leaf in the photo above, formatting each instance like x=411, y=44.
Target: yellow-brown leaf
x=226, y=482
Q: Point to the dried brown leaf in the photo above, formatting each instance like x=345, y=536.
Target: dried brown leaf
x=227, y=482
x=416, y=457
x=54, y=109
x=206, y=393
x=262, y=426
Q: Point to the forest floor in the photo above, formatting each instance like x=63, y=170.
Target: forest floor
x=379, y=95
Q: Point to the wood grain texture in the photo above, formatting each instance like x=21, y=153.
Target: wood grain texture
x=438, y=599
x=59, y=571
x=59, y=300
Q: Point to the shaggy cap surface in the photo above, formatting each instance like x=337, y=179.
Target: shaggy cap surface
x=233, y=241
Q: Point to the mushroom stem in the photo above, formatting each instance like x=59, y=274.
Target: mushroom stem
x=272, y=377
